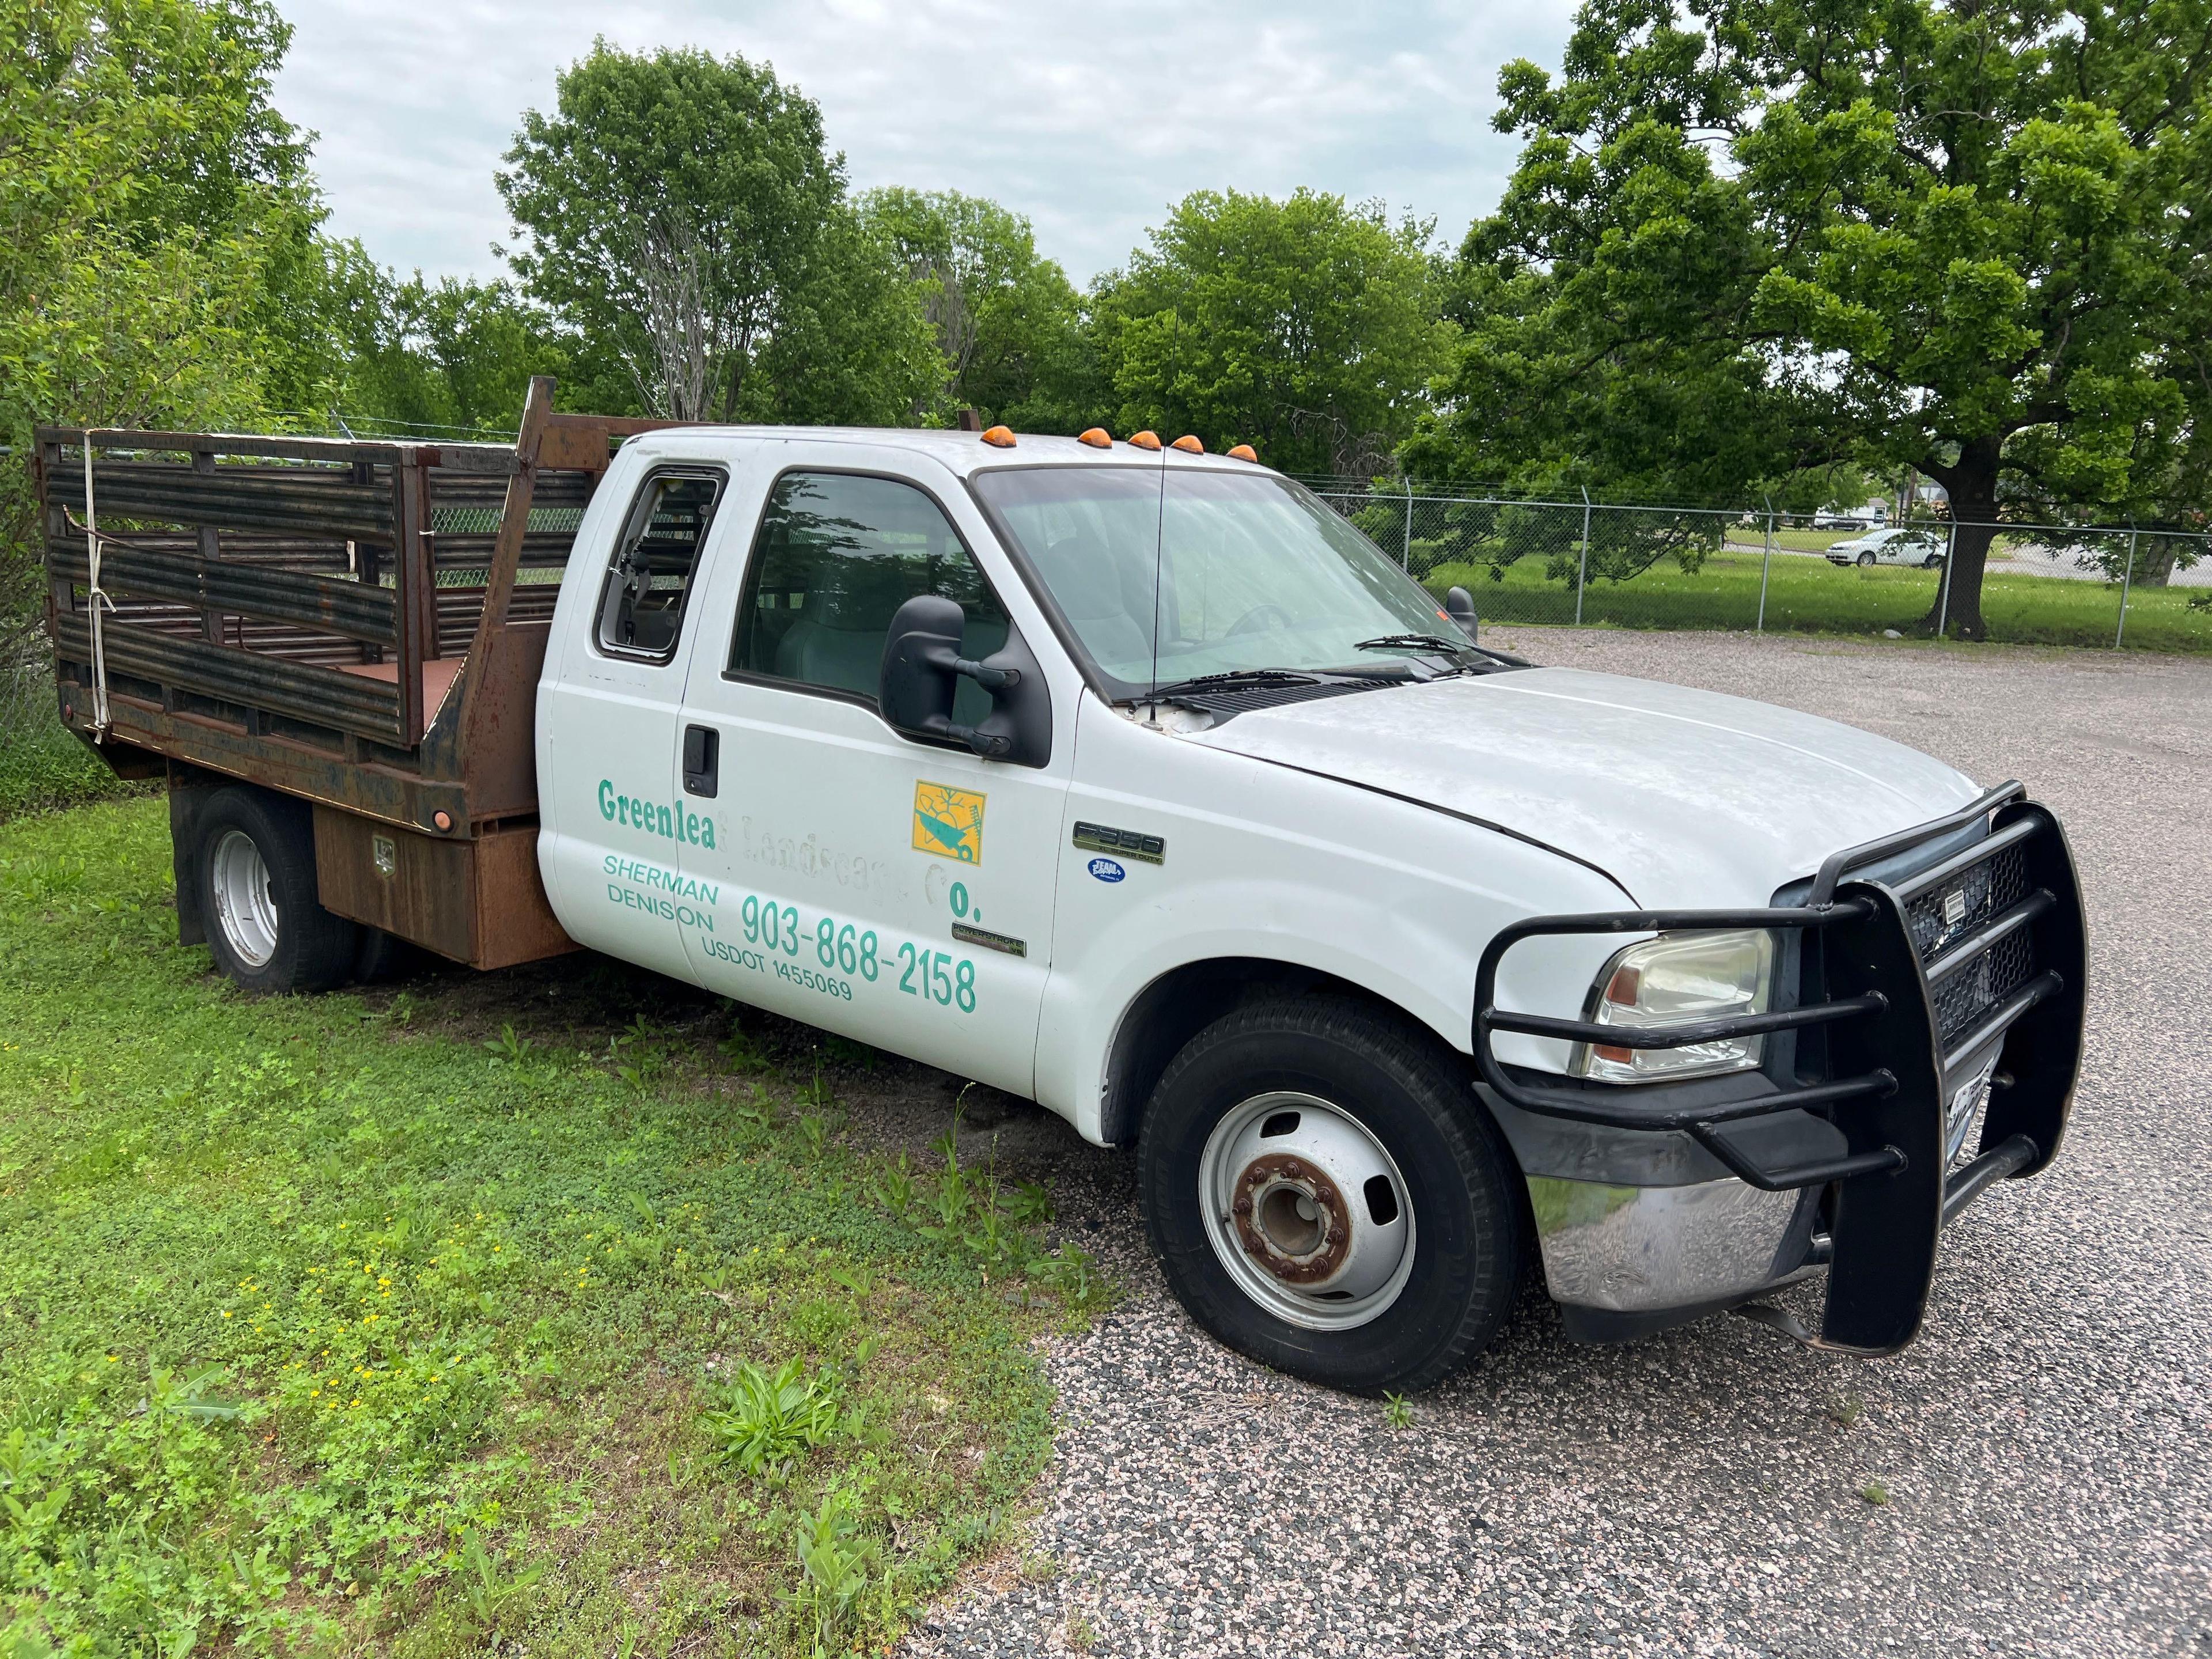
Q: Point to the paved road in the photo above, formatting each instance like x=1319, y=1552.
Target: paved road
x=2047, y=1446
x=2023, y=559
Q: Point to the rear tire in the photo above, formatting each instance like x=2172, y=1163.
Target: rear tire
x=1325, y=1195
x=381, y=956
x=256, y=873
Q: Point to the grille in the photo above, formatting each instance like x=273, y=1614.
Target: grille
x=1971, y=899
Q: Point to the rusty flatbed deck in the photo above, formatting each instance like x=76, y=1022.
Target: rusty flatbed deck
x=357, y=624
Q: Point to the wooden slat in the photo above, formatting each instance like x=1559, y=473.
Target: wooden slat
x=322, y=696
x=332, y=604
x=178, y=495
x=461, y=457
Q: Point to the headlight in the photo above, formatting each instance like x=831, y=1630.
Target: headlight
x=1673, y=979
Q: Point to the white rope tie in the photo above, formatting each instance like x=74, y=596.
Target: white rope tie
x=96, y=601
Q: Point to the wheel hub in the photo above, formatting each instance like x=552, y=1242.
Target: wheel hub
x=245, y=909
x=1307, y=1210
x=1293, y=1219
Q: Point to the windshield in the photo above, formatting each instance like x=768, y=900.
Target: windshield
x=1251, y=573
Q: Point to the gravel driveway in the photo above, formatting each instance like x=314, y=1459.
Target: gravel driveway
x=2045, y=1449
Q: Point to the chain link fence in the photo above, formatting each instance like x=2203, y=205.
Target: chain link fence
x=1583, y=563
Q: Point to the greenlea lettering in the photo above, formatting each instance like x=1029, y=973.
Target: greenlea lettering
x=672, y=820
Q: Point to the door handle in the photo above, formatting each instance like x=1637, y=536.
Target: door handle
x=703, y=759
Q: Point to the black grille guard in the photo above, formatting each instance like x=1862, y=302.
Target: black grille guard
x=1911, y=1011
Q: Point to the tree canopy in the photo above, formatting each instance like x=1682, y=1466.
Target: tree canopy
x=1008, y=323
x=1755, y=238
x=1308, y=327
x=159, y=258
x=681, y=209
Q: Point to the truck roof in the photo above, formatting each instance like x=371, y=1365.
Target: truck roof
x=962, y=452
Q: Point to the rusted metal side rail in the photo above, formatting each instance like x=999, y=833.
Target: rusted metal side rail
x=338, y=621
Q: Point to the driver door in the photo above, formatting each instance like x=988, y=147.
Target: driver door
x=898, y=891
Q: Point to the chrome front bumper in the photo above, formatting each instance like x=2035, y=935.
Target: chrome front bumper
x=1641, y=1249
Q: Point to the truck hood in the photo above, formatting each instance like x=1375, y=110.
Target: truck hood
x=1685, y=798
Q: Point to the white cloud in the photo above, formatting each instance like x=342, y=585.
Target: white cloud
x=1089, y=120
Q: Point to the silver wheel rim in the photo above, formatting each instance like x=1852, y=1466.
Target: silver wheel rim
x=245, y=909
x=1307, y=1210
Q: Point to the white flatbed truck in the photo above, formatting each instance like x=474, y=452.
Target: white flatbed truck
x=1131, y=780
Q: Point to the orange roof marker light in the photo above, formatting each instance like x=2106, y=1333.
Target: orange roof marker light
x=1190, y=446
x=1145, y=440
x=1243, y=453
x=1098, y=438
x=1000, y=437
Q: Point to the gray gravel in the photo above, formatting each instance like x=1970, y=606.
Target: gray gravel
x=2044, y=1447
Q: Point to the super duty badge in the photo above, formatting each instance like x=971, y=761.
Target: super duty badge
x=1129, y=843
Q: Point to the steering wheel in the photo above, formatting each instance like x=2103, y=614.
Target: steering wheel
x=1261, y=618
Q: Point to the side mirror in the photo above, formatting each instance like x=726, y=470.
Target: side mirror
x=921, y=672
x=1459, y=606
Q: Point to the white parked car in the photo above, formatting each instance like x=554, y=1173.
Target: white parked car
x=1920, y=548
x=1856, y=518
x=1138, y=783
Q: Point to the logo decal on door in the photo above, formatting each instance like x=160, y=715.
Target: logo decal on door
x=948, y=821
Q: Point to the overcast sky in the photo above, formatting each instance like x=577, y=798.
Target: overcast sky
x=1088, y=119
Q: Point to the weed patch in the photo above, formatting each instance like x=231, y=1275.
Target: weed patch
x=326, y=1325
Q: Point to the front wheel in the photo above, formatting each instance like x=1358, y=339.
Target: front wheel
x=1865, y=559
x=1325, y=1195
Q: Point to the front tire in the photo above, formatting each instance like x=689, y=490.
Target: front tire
x=1865, y=559
x=1325, y=1195
x=256, y=870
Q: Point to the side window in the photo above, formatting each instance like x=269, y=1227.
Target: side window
x=836, y=556
x=642, y=611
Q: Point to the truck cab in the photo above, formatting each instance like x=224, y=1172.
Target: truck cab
x=1133, y=779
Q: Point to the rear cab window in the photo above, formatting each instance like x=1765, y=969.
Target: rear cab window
x=656, y=559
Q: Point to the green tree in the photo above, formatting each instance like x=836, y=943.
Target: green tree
x=680, y=210
x=453, y=354
x=1759, y=236
x=157, y=233
x=1008, y=323
x=1308, y=327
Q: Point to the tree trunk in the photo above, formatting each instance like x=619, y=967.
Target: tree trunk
x=1971, y=483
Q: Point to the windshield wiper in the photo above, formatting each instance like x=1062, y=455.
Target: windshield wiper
x=1244, y=676
x=1423, y=641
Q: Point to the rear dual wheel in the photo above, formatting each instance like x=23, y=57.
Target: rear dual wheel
x=256, y=873
x=1325, y=1195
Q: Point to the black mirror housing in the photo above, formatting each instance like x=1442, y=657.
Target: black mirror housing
x=921, y=675
x=1459, y=606
x=916, y=686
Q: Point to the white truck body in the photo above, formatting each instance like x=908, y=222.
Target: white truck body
x=1377, y=843
x=1130, y=780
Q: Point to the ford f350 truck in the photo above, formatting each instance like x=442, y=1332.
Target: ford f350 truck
x=1125, y=777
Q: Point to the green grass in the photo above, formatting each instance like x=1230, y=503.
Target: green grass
x=42, y=765
x=1752, y=535
x=1815, y=597
x=419, y=1322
